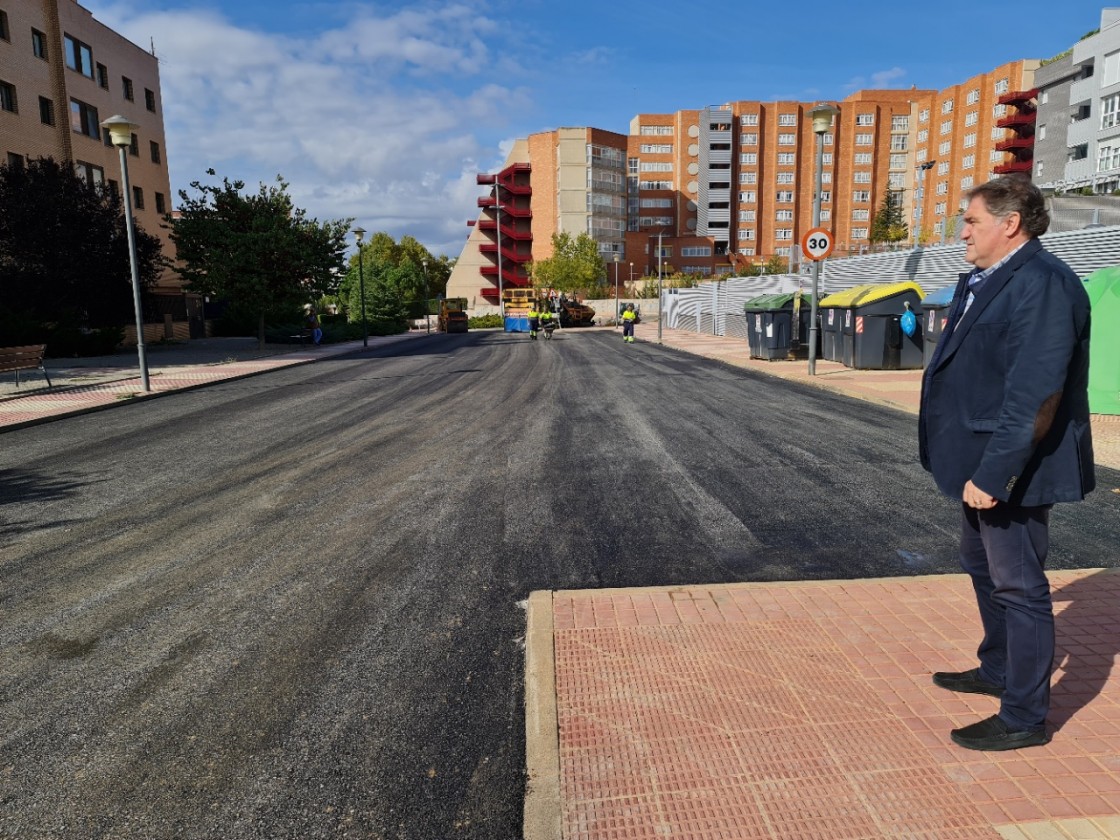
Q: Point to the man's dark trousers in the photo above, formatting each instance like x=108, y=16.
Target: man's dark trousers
x=1004, y=550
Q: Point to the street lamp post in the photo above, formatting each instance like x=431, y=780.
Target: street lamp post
x=617, y=260
x=359, y=234
x=660, y=291
x=501, y=286
x=920, y=198
x=120, y=133
x=427, y=298
x=821, y=115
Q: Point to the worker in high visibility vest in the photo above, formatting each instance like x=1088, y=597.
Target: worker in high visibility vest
x=534, y=322
x=629, y=316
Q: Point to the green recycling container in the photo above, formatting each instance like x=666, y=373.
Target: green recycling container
x=1103, y=287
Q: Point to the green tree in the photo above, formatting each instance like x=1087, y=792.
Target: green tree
x=258, y=251
x=64, y=260
x=400, y=267
x=888, y=225
x=575, y=265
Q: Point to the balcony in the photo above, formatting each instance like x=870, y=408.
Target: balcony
x=1017, y=120
x=1013, y=166
x=509, y=278
x=491, y=225
x=1083, y=90
x=1015, y=143
x=488, y=202
x=1081, y=131
x=1018, y=97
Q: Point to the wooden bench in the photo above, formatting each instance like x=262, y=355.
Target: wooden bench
x=24, y=358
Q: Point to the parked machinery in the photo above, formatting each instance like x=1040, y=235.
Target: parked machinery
x=453, y=315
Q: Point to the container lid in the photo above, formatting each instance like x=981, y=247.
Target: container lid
x=940, y=298
x=869, y=293
x=764, y=303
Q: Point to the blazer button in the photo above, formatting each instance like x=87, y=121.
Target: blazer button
x=1011, y=483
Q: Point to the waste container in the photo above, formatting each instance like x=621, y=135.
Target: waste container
x=831, y=319
x=871, y=337
x=778, y=326
x=1103, y=287
x=935, y=312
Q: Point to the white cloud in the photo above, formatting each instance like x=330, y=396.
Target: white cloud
x=376, y=119
x=879, y=80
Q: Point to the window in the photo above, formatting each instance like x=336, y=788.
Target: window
x=863, y=139
x=46, y=111
x=103, y=76
x=968, y=162
x=865, y=119
x=83, y=119
x=783, y=234
x=785, y=177
x=656, y=130
x=947, y=106
x=943, y=167
x=150, y=103
x=923, y=135
x=999, y=111
x=826, y=158
x=900, y=123
x=8, y=97
x=1108, y=157
x=15, y=160
x=656, y=202
x=920, y=155
x=826, y=177
x=967, y=182
x=107, y=138
x=134, y=146
x=78, y=56
x=898, y=161
x=656, y=221
x=138, y=198
x=746, y=215
x=939, y=209
x=1038, y=169
x=787, y=158
x=745, y=234
x=39, y=44
x=787, y=119
x=787, y=140
x=827, y=138
x=973, y=96
x=1002, y=86
x=784, y=196
x=1042, y=132
x=970, y=140
x=749, y=158
x=748, y=177
x=899, y=142
x=862, y=178
x=649, y=166
x=826, y=196
x=89, y=173
x=4, y=33
x=784, y=216
x=861, y=215
x=862, y=159
x=924, y=115
x=748, y=197
x=657, y=148
x=997, y=133
x=995, y=156
x=826, y=215
x=1110, y=111
x=859, y=233
x=748, y=119
x=655, y=185
x=942, y=188
x=943, y=148
x=161, y=204
x=947, y=127
x=154, y=146
x=861, y=196
x=971, y=117
x=896, y=181
x=749, y=139
x=696, y=251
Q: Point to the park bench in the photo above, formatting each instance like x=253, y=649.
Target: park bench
x=24, y=358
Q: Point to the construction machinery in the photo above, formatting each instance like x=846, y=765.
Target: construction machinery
x=453, y=315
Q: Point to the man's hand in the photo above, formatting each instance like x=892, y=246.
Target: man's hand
x=974, y=497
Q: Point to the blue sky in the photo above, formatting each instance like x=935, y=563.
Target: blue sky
x=386, y=111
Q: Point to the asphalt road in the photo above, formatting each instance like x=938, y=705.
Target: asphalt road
x=292, y=606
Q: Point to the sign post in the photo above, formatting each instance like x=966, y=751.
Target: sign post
x=816, y=245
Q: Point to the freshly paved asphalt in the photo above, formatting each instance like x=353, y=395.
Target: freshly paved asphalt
x=292, y=605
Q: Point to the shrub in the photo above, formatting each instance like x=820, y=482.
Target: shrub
x=483, y=322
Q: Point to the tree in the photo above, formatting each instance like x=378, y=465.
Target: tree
x=888, y=225
x=575, y=265
x=259, y=252
x=64, y=259
x=399, y=267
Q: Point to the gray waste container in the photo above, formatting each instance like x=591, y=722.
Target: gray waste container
x=935, y=312
x=770, y=326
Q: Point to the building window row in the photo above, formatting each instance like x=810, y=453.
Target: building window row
x=657, y=148
x=748, y=119
x=656, y=130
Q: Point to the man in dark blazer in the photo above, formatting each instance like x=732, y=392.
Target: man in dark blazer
x=1004, y=428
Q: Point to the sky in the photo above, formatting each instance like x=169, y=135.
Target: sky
x=384, y=112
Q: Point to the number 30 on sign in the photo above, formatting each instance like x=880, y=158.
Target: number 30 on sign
x=816, y=244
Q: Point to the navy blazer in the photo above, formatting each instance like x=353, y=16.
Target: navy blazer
x=1005, y=397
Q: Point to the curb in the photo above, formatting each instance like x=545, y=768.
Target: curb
x=542, y=732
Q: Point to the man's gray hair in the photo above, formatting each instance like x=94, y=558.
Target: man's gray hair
x=1015, y=194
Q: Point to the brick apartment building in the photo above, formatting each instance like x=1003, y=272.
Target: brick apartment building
x=732, y=183
x=61, y=73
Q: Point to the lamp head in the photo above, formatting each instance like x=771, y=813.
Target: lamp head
x=359, y=234
x=120, y=130
x=821, y=115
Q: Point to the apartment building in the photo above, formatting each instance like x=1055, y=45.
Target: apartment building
x=711, y=189
x=61, y=73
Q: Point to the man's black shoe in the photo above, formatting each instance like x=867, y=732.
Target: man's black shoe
x=994, y=734
x=969, y=682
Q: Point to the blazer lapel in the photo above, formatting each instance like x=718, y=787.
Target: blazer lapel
x=988, y=291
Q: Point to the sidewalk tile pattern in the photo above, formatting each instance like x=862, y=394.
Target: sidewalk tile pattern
x=806, y=710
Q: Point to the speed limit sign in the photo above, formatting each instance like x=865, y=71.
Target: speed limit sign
x=816, y=244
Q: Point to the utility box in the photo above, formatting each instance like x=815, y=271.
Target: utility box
x=1103, y=287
